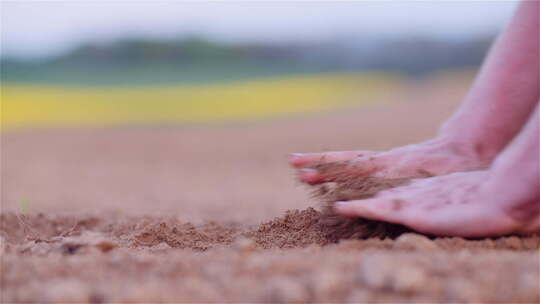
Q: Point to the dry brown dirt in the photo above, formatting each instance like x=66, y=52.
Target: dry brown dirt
x=213, y=214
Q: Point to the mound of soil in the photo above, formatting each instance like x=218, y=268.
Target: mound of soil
x=185, y=235
x=295, y=229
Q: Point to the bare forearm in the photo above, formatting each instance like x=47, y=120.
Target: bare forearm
x=505, y=91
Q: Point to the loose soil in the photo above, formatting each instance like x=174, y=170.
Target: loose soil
x=208, y=214
x=295, y=257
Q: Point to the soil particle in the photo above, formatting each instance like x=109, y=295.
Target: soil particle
x=413, y=241
x=105, y=246
x=245, y=245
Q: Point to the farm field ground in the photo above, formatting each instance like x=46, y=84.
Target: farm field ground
x=202, y=213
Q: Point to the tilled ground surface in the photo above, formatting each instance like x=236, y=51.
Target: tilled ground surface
x=200, y=214
x=125, y=259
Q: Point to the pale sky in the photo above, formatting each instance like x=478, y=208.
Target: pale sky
x=47, y=28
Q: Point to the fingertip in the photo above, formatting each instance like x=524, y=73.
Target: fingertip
x=361, y=208
x=345, y=208
x=310, y=176
x=296, y=159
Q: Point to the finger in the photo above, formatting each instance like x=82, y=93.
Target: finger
x=460, y=220
x=336, y=171
x=307, y=159
x=380, y=209
x=310, y=176
x=443, y=220
x=314, y=176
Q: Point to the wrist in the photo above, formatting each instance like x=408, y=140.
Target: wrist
x=466, y=144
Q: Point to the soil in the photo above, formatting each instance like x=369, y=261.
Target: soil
x=48, y=258
x=346, y=186
x=212, y=214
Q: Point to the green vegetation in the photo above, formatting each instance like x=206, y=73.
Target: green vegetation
x=197, y=61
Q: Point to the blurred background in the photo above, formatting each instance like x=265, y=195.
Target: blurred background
x=100, y=62
x=190, y=108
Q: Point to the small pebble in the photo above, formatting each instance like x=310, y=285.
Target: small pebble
x=413, y=241
x=244, y=244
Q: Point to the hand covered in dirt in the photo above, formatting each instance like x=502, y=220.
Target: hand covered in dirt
x=458, y=204
x=430, y=158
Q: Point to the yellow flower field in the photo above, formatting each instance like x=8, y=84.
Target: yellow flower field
x=40, y=105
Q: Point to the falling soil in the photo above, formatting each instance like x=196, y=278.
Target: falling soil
x=346, y=186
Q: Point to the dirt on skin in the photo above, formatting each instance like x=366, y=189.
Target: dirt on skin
x=199, y=214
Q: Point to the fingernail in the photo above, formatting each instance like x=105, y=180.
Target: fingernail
x=342, y=203
x=295, y=159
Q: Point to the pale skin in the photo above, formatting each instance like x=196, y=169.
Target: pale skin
x=485, y=160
